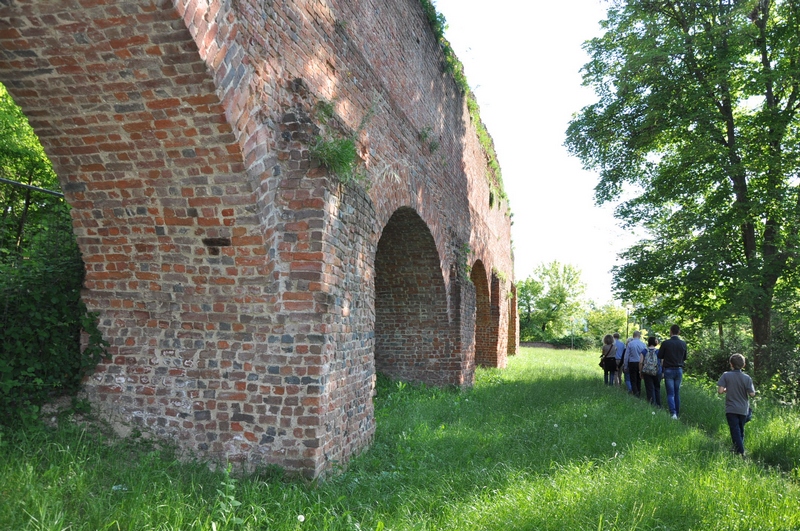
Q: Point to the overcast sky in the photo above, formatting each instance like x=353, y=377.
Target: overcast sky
x=523, y=60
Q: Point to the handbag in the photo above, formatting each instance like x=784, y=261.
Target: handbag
x=603, y=356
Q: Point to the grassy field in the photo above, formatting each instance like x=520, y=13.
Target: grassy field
x=540, y=445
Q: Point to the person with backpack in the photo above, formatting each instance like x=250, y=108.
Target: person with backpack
x=634, y=351
x=608, y=359
x=650, y=368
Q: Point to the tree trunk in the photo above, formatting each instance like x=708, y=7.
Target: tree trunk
x=721, y=336
x=761, y=340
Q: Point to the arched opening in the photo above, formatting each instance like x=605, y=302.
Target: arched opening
x=485, y=340
x=512, y=322
x=412, y=329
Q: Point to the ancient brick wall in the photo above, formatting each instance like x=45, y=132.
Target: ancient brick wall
x=248, y=294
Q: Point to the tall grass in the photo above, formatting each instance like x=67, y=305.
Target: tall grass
x=540, y=445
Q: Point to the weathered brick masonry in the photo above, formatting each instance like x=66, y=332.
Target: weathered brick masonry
x=248, y=295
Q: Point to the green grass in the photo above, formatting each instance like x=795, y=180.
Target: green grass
x=540, y=445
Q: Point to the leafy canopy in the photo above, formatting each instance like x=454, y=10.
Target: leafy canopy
x=696, y=127
x=549, y=301
x=41, y=273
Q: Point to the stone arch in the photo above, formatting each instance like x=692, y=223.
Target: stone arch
x=231, y=273
x=513, y=322
x=413, y=337
x=485, y=341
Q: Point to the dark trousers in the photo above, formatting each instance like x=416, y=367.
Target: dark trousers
x=736, y=425
x=636, y=380
x=652, y=385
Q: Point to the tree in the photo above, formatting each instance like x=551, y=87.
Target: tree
x=41, y=272
x=606, y=319
x=698, y=118
x=22, y=160
x=549, y=300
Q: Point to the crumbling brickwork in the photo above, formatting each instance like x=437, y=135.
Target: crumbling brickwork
x=249, y=294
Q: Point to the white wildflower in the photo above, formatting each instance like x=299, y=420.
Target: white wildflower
x=613, y=444
x=301, y=518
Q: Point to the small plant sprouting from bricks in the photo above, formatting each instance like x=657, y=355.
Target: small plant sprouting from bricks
x=226, y=505
x=339, y=154
x=464, y=261
x=324, y=111
x=426, y=137
x=500, y=275
x=425, y=134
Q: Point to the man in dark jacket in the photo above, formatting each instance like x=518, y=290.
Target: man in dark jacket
x=673, y=356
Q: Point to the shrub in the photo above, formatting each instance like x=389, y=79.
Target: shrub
x=41, y=318
x=577, y=342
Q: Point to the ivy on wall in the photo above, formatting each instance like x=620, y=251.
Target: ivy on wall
x=456, y=69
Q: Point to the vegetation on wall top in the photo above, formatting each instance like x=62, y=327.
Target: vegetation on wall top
x=456, y=68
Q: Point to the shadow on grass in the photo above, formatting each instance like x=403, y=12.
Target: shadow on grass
x=553, y=426
x=541, y=445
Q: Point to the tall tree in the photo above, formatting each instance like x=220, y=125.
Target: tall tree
x=22, y=160
x=606, y=319
x=698, y=111
x=549, y=300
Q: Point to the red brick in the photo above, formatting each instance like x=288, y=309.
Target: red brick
x=157, y=169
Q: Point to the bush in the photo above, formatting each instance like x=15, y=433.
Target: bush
x=576, y=342
x=708, y=356
x=41, y=318
x=783, y=362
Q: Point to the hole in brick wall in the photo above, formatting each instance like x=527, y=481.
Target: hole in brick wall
x=217, y=242
x=214, y=244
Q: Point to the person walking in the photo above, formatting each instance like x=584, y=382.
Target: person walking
x=620, y=350
x=608, y=359
x=673, y=354
x=650, y=368
x=633, y=356
x=738, y=387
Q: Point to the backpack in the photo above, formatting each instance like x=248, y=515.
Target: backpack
x=650, y=364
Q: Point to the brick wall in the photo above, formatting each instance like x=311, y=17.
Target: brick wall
x=247, y=294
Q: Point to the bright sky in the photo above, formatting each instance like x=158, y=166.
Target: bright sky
x=523, y=60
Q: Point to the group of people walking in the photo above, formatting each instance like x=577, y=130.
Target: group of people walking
x=635, y=362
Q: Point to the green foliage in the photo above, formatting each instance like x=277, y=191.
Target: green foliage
x=226, y=505
x=456, y=69
x=576, y=341
x=501, y=275
x=41, y=272
x=549, y=301
x=22, y=159
x=339, y=155
x=697, y=119
x=711, y=348
x=464, y=261
x=426, y=137
x=604, y=320
x=41, y=318
x=324, y=111
x=539, y=445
